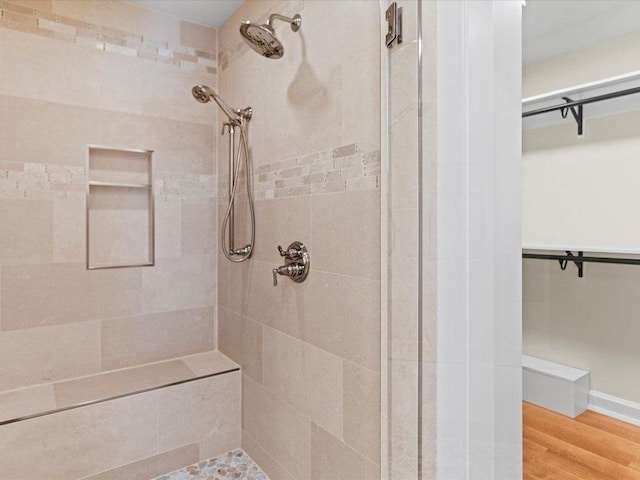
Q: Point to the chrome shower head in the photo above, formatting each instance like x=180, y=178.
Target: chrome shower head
x=262, y=38
x=205, y=94
x=202, y=93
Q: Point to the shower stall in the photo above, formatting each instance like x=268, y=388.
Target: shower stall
x=371, y=149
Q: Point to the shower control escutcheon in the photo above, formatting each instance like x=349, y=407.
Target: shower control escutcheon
x=296, y=264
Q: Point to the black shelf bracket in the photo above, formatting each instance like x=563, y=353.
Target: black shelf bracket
x=576, y=111
x=576, y=259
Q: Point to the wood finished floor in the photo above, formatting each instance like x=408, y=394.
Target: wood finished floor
x=589, y=447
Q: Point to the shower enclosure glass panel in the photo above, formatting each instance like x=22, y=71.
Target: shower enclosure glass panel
x=403, y=395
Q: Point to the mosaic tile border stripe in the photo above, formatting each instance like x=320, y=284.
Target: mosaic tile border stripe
x=343, y=169
x=234, y=465
x=60, y=182
x=58, y=27
x=174, y=187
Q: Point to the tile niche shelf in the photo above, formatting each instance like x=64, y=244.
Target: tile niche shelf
x=120, y=208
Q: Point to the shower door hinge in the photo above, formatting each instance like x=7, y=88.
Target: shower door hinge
x=394, y=21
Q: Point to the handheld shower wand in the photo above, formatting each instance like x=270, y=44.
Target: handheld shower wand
x=237, y=118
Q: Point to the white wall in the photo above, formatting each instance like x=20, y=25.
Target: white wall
x=608, y=59
x=478, y=235
x=580, y=192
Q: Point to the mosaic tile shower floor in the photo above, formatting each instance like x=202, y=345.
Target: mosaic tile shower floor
x=235, y=465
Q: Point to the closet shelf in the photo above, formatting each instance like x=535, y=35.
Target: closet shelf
x=574, y=98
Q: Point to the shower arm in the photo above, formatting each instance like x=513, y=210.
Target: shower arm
x=295, y=22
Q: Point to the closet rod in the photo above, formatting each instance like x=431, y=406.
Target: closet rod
x=572, y=258
x=577, y=103
x=579, y=260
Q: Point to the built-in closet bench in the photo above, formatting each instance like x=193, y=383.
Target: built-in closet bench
x=45, y=399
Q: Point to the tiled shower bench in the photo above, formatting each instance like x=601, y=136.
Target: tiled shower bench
x=134, y=423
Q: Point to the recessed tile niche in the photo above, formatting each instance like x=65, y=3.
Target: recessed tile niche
x=120, y=218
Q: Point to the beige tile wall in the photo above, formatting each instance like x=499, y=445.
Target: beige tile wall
x=135, y=437
x=107, y=73
x=310, y=352
x=430, y=249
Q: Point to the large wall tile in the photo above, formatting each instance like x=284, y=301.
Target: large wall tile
x=121, y=382
x=198, y=36
x=331, y=459
x=73, y=74
x=404, y=397
x=81, y=442
x=69, y=232
x=251, y=293
x=268, y=465
x=362, y=410
x=178, y=146
x=198, y=229
x=281, y=431
x=219, y=444
x=207, y=363
x=122, y=16
x=26, y=401
x=404, y=84
x=347, y=325
x=45, y=5
x=403, y=454
x=126, y=341
x=27, y=231
x=224, y=266
x=65, y=71
x=63, y=130
x=307, y=377
x=346, y=233
x=36, y=295
x=179, y=283
x=168, y=229
x=280, y=222
x=403, y=288
x=129, y=80
x=241, y=339
x=404, y=170
x=363, y=73
x=152, y=467
x=196, y=410
x=45, y=354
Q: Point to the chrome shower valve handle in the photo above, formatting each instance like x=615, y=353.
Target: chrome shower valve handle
x=292, y=271
x=296, y=265
x=291, y=253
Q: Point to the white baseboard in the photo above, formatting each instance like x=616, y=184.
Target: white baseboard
x=614, y=407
